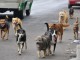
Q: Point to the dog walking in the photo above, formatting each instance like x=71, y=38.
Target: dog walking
x=71, y=13
x=76, y=28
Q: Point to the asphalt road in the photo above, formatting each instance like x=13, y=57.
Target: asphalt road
x=42, y=11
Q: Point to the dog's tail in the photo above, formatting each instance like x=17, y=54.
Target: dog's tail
x=47, y=26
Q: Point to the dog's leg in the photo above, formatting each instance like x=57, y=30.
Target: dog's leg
x=25, y=45
x=20, y=48
x=7, y=34
x=43, y=52
x=38, y=52
x=54, y=48
x=47, y=52
x=77, y=35
x=74, y=35
x=60, y=38
x=15, y=30
x=1, y=33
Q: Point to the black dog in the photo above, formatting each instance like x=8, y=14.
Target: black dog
x=21, y=39
x=71, y=12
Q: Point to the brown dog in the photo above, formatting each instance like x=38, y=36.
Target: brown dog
x=76, y=29
x=4, y=27
x=58, y=28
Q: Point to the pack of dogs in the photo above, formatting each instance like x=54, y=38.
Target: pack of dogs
x=45, y=43
x=20, y=33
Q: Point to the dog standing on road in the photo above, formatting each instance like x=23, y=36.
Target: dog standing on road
x=71, y=12
x=63, y=18
x=4, y=27
x=57, y=27
x=16, y=23
x=76, y=29
x=21, y=40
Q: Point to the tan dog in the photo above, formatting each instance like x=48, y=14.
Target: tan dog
x=63, y=17
x=16, y=23
x=76, y=29
x=4, y=27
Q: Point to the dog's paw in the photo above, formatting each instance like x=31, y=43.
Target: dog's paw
x=60, y=41
x=7, y=39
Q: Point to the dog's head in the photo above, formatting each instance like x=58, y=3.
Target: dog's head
x=54, y=30
x=62, y=14
x=39, y=42
x=2, y=22
x=20, y=33
x=14, y=20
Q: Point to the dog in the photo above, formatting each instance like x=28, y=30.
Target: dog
x=58, y=28
x=16, y=23
x=63, y=17
x=21, y=40
x=4, y=27
x=71, y=12
x=76, y=29
x=43, y=44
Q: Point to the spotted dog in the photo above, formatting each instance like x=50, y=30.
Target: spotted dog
x=21, y=40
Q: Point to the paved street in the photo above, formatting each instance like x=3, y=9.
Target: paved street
x=42, y=11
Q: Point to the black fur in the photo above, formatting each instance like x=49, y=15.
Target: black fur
x=49, y=33
x=23, y=38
